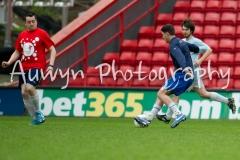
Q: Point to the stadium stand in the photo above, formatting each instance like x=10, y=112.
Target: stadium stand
x=217, y=24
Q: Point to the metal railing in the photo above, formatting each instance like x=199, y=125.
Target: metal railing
x=84, y=41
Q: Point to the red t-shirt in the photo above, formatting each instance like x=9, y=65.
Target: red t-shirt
x=32, y=45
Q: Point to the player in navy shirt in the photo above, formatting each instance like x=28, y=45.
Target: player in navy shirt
x=188, y=28
x=180, y=80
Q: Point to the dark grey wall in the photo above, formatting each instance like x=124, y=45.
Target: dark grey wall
x=167, y=6
x=95, y=22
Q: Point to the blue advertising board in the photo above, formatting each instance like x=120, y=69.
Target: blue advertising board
x=11, y=102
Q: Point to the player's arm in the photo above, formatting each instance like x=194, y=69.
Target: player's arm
x=204, y=48
x=193, y=48
x=50, y=46
x=16, y=54
x=180, y=58
x=53, y=53
x=176, y=52
x=205, y=55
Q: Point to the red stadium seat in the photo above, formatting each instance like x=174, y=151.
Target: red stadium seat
x=93, y=81
x=92, y=76
x=108, y=81
x=145, y=45
x=227, y=31
x=226, y=45
x=145, y=57
x=92, y=71
x=158, y=32
x=237, y=59
x=224, y=69
x=213, y=43
x=169, y=61
x=78, y=81
x=122, y=82
x=198, y=6
x=198, y=18
x=238, y=8
x=198, y=31
x=237, y=46
x=224, y=83
x=109, y=69
x=209, y=72
x=236, y=72
x=181, y=6
x=127, y=57
x=238, y=18
x=237, y=34
x=156, y=83
x=160, y=45
x=210, y=31
x=110, y=56
x=140, y=83
x=209, y=83
x=178, y=17
x=228, y=18
x=164, y=18
x=158, y=72
x=236, y=84
x=224, y=0
x=213, y=6
x=225, y=58
x=144, y=71
x=129, y=45
x=213, y=58
x=160, y=58
x=212, y=18
x=126, y=67
x=170, y=70
x=178, y=31
x=229, y=6
x=146, y=32
x=125, y=71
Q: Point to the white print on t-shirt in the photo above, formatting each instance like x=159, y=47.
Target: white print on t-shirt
x=29, y=51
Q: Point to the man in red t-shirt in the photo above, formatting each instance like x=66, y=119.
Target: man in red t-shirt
x=31, y=45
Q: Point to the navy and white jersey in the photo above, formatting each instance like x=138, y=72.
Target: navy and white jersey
x=180, y=53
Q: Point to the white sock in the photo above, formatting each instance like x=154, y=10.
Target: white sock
x=35, y=102
x=29, y=106
x=156, y=108
x=217, y=97
x=173, y=106
x=169, y=114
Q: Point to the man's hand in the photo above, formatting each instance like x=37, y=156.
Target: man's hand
x=5, y=64
x=188, y=73
x=50, y=68
x=197, y=63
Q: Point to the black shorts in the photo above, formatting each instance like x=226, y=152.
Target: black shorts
x=32, y=77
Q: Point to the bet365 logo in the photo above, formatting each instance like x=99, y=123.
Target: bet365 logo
x=62, y=106
x=91, y=104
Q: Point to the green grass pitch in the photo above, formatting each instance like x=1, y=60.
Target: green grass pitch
x=118, y=139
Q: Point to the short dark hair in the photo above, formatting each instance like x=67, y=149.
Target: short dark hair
x=30, y=14
x=188, y=23
x=168, y=28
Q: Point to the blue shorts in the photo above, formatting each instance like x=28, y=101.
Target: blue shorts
x=32, y=77
x=178, y=84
